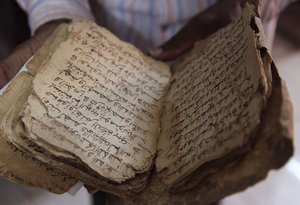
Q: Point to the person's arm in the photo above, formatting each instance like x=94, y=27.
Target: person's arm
x=42, y=11
x=44, y=16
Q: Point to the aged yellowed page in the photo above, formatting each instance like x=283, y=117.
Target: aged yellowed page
x=15, y=164
x=214, y=104
x=99, y=99
x=77, y=171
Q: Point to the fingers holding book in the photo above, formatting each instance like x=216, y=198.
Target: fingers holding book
x=10, y=65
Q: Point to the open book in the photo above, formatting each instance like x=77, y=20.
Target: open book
x=93, y=108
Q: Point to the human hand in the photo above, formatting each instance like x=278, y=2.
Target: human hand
x=10, y=65
x=199, y=27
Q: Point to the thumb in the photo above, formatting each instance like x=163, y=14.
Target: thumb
x=10, y=65
x=176, y=46
x=199, y=27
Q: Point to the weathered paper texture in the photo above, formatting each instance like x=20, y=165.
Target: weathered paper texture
x=100, y=100
x=214, y=104
x=95, y=108
x=269, y=148
x=78, y=171
x=15, y=164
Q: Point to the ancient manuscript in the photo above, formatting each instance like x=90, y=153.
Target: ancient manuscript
x=96, y=109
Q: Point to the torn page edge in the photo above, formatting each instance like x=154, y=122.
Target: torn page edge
x=75, y=189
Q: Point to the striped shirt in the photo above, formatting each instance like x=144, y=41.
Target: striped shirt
x=145, y=23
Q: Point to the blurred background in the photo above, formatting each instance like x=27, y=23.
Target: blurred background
x=280, y=188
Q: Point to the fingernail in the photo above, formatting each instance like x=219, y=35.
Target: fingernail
x=155, y=52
